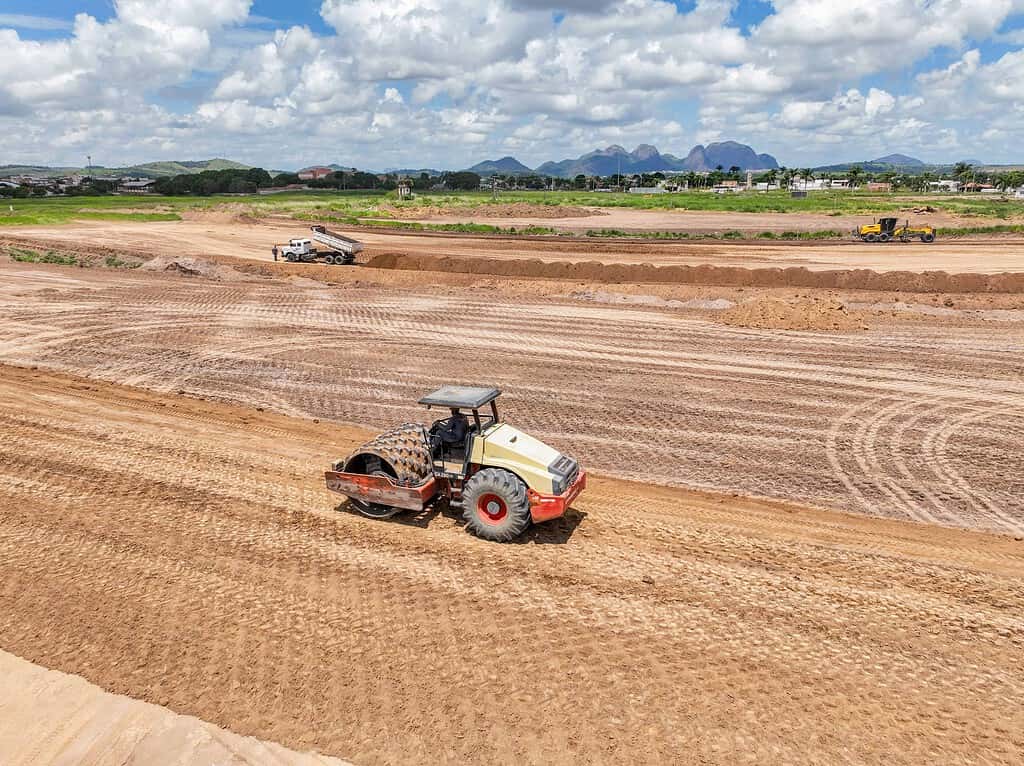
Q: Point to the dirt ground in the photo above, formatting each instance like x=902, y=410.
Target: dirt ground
x=633, y=219
x=185, y=553
x=51, y=717
x=906, y=419
x=229, y=238
x=798, y=546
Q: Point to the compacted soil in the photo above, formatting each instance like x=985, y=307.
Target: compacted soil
x=186, y=553
x=919, y=420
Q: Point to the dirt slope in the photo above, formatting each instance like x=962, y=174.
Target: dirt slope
x=49, y=717
x=185, y=553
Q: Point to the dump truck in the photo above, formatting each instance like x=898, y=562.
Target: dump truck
x=503, y=479
x=342, y=249
x=888, y=230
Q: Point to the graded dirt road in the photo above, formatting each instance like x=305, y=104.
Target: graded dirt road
x=920, y=421
x=639, y=220
x=215, y=237
x=185, y=553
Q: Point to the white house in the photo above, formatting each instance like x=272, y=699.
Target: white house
x=944, y=186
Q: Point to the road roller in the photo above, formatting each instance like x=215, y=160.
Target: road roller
x=503, y=479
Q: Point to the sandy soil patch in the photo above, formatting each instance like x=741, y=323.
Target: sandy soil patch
x=189, y=266
x=49, y=717
x=817, y=313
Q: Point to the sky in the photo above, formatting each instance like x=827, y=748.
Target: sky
x=381, y=84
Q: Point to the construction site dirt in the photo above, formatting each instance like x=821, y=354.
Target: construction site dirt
x=223, y=235
x=801, y=545
x=185, y=552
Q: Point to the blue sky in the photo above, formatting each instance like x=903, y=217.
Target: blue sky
x=446, y=83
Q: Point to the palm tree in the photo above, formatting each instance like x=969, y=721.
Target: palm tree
x=771, y=177
x=808, y=175
x=854, y=174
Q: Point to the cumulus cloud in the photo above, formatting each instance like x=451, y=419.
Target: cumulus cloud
x=422, y=80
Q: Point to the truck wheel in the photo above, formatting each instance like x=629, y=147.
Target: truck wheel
x=495, y=505
x=329, y=260
x=290, y=257
x=928, y=237
x=883, y=237
x=871, y=237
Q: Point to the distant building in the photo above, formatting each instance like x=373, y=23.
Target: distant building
x=32, y=180
x=878, y=186
x=838, y=183
x=647, y=190
x=977, y=187
x=135, y=185
x=726, y=187
x=947, y=185
x=311, y=174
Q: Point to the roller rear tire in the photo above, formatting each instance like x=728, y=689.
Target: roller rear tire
x=495, y=505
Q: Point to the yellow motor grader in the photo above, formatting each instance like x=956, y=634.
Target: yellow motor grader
x=888, y=229
x=503, y=478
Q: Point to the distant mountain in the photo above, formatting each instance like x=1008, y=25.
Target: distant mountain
x=647, y=159
x=146, y=170
x=728, y=154
x=411, y=172
x=889, y=162
x=506, y=165
x=899, y=160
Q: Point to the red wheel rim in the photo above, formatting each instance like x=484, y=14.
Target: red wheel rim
x=491, y=508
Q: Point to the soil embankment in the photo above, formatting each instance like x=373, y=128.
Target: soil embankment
x=595, y=271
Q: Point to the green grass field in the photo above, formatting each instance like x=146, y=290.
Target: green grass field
x=369, y=208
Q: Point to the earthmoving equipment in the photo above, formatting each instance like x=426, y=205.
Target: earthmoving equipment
x=888, y=229
x=342, y=249
x=503, y=478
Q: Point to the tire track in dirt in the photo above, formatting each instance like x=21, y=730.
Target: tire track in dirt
x=763, y=413
x=185, y=552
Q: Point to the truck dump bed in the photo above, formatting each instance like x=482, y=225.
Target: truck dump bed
x=336, y=241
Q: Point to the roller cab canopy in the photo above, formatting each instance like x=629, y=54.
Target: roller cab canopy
x=462, y=397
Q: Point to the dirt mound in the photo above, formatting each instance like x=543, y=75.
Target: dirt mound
x=768, y=313
x=191, y=266
x=601, y=296
x=499, y=210
x=738, y=276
